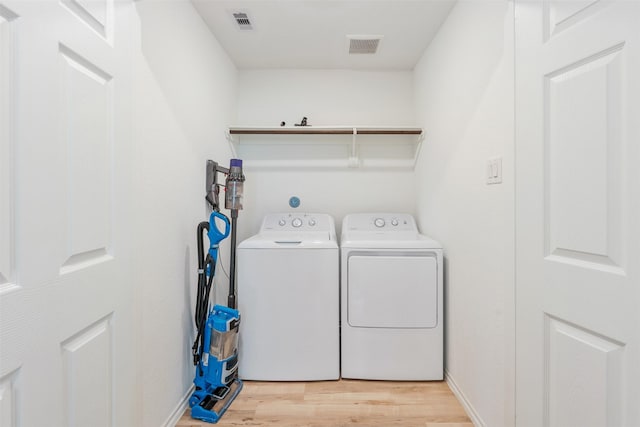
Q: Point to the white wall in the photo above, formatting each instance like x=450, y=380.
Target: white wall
x=464, y=98
x=325, y=97
x=184, y=99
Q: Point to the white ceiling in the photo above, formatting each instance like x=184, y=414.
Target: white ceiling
x=312, y=33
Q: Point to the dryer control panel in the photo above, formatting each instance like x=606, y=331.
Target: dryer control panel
x=380, y=222
x=298, y=222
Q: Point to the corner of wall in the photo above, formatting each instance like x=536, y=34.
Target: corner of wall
x=462, y=398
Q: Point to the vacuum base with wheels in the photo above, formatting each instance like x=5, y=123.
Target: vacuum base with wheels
x=214, y=405
x=216, y=379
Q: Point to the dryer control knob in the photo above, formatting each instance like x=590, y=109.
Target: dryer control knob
x=312, y=222
x=297, y=222
x=394, y=222
x=379, y=222
x=282, y=222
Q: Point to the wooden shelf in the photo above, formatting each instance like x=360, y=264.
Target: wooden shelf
x=322, y=130
x=363, y=146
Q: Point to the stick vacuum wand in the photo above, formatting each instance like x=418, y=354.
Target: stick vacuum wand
x=231, y=299
x=233, y=202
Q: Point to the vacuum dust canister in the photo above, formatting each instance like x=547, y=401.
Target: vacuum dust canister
x=235, y=186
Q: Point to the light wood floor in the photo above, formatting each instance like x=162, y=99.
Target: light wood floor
x=342, y=403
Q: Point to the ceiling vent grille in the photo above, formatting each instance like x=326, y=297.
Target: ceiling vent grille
x=243, y=21
x=368, y=45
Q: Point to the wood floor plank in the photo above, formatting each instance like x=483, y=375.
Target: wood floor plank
x=342, y=403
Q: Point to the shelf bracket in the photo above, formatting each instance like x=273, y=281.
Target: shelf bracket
x=354, y=162
x=232, y=144
x=418, y=148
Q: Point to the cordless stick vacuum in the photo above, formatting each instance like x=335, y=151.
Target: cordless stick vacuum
x=215, y=350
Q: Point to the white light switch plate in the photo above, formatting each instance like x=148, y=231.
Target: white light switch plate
x=494, y=170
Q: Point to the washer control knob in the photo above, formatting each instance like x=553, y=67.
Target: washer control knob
x=297, y=222
x=378, y=222
x=394, y=222
x=282, y=222
x=312, y=222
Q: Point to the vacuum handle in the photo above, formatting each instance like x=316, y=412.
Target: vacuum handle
x=215, y=234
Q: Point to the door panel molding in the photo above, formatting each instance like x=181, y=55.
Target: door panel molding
x=561, y=16
x=584, y=373
x=88, y=372
x=584, y=168
x=7, y=116
x=85, y=260
x=95, y=14
x=9, y=398
x=88, y=132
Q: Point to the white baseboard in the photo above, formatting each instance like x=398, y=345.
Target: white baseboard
x=176, y=414
x=468, y=407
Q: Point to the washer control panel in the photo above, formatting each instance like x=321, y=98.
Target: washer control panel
x=298, y=222
x=379, y=222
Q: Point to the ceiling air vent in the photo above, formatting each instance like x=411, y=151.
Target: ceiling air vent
x=243, y=21
x=363, y=44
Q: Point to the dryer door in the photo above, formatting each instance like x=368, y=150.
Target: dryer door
x=392, y=290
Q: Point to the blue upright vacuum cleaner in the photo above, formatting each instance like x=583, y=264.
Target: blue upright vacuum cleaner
x=215, y=350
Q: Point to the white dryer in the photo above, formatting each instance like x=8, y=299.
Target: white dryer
x=288, y=297
x=391, y=298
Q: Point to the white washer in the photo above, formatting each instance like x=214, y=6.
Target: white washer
x=288, y=296
x=391, y=289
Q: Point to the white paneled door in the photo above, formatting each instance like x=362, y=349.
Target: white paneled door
x=578, y=213
x=66, y=294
